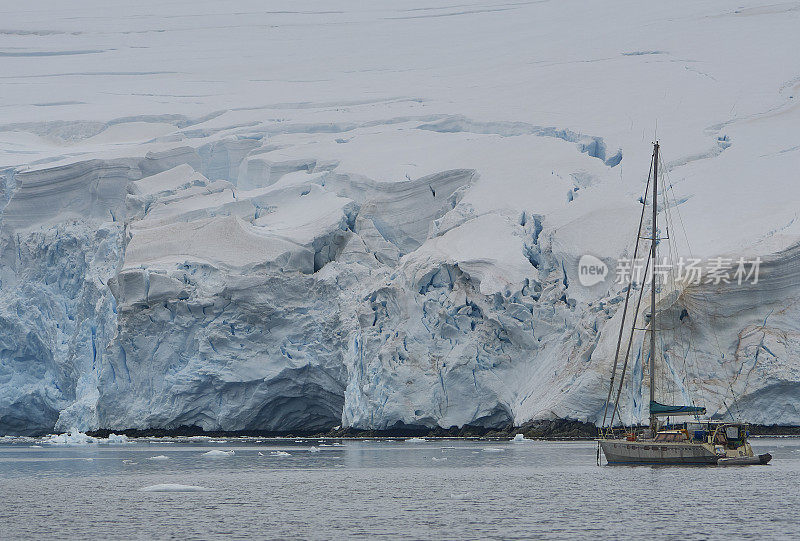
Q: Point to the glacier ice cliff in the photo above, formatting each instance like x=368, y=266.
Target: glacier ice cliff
x=139, y=294
x=387, y=236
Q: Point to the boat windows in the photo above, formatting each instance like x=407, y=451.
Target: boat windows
x=670, y=436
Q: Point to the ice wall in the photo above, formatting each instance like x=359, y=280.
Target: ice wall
x=246, y=224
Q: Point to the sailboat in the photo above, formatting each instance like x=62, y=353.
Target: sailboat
x=696, y=441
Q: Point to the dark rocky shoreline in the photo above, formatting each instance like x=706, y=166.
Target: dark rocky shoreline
x=558, y=429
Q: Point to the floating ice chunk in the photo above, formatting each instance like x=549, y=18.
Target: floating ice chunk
x=280, y=453
x=159, y=457
x=126, y=461
x=217, y=453
x=415, y=440
x=518, y=438
x=314, y=449
x=260, y=453
x=438, y=459
x=217, y=441
x=173, y=487
x=73, y=437
x=493, y=450
x=117, y=438
x=35, y=446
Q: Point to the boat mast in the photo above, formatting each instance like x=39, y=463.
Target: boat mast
x=653, y=232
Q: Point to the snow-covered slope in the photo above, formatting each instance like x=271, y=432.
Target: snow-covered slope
x=248, y=217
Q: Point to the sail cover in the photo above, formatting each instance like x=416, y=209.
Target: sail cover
x=663, y=409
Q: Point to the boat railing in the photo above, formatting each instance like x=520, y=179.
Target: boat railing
x=618, y=432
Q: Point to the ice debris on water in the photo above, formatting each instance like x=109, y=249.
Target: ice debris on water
x=159, y=457
x=518, y=438
x=217, y=453
x=76, y=437
x=415, y=440
x=314, y=449
x=280, y=453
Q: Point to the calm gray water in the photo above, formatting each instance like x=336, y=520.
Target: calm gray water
x=399, y=490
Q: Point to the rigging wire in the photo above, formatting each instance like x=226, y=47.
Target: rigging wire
x=668, y=206
x=670, y=186
x=630, y=343
x=677, y=332
x=628, y=293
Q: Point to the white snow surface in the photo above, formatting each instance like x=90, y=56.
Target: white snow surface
x=370, y=214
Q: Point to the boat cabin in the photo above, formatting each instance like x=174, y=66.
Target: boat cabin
x=730, y=435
